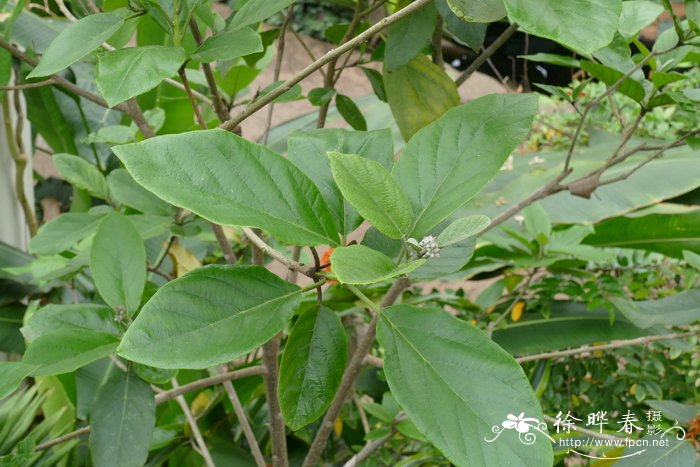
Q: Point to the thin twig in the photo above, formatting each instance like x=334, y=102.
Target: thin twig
x=204, y=450
x=331, y=55
x=373, y=445
x=38, y=84
x=62, y=439
x=193, y=102
x=612, y=345
x=277, y=69
x=219, y=105
x=437, y=43
x=243, y=420
x=308, y=51
x=276, y=255
x=486, y=54
x=278, y=432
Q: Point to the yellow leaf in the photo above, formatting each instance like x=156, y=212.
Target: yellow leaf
x=517, y=311
x=200, y=403
x=183, y=259
x=338, y=426
x=633, y=389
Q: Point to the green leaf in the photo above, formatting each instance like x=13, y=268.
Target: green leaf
x=666, y=452
x=122, y=422
x=78, y=40
x=668, y=234
x=661, y=79
x=357, y=264
x=125, y=190
x=681, y=308
x=629, y=87
x=67, y=350
x=293, y=94
x=350, y=112
x=553, y=59
x=419, y=93
x=470, y=34
x=376, y=80
x=373, y=192
x=692, y=259
x=583, y=25
x=255, y=11
x=571, y=325
x=321, y=96
x=463, y=228
x=84, y=316
x=242, y=183
x=126, y=73
x=11, y=375
x=82, y=174
x=636, y=15
x=674, y=410
x=229, y=45
x=118, y=263
x=210, y=316
x=312, y=366
x=407, y=37
x=537, y=222
x=63, y=232
x=478, y=11
x=432, y=356
x=451, y=160
x=309, y=151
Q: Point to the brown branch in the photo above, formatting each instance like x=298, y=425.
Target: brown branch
x=276, y=255
x=486, y=54
x=330, y=79
x=278, y=432
x=199, y=439
x=62, y=439
x=325, y=59
x=193, y=102
x=437, y=43
x=20, y=160
x=38, y=84
x=373, y=445
x=613, y=345
x=219, y=105
x=278, y=68
x=243, y=419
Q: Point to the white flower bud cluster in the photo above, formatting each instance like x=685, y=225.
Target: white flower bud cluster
x=428, y=247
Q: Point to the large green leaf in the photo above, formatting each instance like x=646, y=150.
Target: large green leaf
x=455, y=384
x=82, y=174
x=678, y=309
x=636, y=15
x=480, y=11
x=570, y=325
x=67, y=350
x=229, y=45
x=11, y=375
x=667, y=452
x=309, y=151
x=629, y=86
x=470, y=34
x=669, y=234
x=418, y=93
x=232, y=181
x=122, y=422
x=126, y=73
x=118, y=263
x=406, y=38
x=357, y=264
x=583, y=25
x=452, y=159
x=63, y=232
x=125, y=190
x=373, y=192
x=674, y=410
x=80, y=316
x=312, y=366
x=210, y=316
x=255, y=11
x=78, y=40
